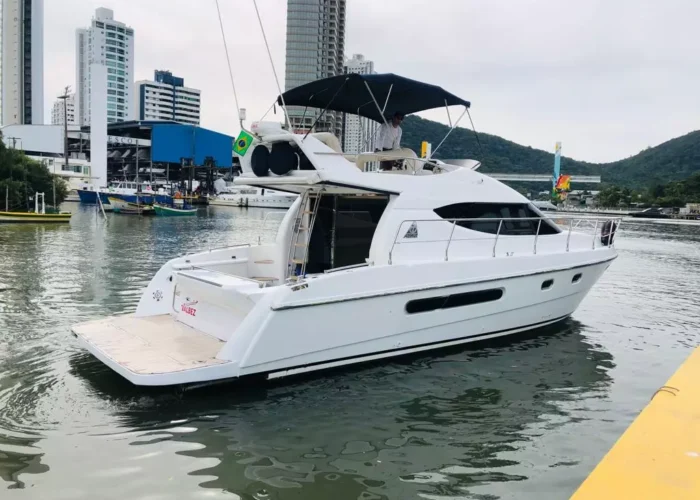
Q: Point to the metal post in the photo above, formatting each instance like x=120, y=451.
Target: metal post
x=451, y=129
x=7, y=198
x=595, y=233
x=568, y=238
x=447, y=249
x=500, y=224
x=376, y=103
x=539, y=223
x=64, y=97
x=335, y=214
x=137, y=161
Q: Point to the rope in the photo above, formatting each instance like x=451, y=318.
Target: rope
x=269, y=54
x=228, y=60
x=476, y=134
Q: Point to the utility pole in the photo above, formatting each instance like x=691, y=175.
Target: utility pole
x=64, y=97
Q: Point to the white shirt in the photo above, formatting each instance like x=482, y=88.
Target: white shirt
x=389, y=137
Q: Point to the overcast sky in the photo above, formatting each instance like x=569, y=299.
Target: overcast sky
x=607, y=78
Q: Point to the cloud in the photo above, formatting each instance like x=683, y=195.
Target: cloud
x=606, y=78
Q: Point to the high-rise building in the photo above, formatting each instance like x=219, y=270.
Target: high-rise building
x=22, y=62
x=57, y=111
x=358, y=132
x=111, y=44
x=315, y=50
x=167, y=98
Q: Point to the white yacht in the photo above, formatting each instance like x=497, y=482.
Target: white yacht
x=366, y=265
x=251, y=196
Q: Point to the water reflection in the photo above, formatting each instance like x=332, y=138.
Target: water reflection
x=511, y=419
x=438, y=424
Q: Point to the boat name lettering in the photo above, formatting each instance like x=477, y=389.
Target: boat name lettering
x=188, y=308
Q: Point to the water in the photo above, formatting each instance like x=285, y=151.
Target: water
x=525, y=419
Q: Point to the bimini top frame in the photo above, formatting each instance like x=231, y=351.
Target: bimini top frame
x=362, y=95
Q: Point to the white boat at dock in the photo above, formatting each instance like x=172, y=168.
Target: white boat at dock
x=250, y=196
x=366, y=265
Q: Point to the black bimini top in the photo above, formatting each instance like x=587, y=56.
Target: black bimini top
x=349, y=93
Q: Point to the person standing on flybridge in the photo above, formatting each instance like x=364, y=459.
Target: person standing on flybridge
x=390, y=137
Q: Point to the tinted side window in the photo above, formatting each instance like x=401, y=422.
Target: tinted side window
x=490, y=213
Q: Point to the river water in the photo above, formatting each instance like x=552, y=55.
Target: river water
x=526, y=418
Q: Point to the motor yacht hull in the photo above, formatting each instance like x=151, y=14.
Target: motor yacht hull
x=338, y=319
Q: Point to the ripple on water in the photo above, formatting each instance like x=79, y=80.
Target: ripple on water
x=530, y=416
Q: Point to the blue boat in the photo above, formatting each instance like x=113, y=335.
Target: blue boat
x=131, y=192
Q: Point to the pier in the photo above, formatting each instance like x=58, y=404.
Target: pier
x=659, y=455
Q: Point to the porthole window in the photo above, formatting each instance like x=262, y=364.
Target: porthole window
x=547, y=284
x=576, y=278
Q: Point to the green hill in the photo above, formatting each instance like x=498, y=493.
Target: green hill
x=673, y=160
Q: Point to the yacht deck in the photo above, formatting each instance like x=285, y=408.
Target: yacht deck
x=151, y=345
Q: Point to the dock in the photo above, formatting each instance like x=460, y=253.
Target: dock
x=658, y=456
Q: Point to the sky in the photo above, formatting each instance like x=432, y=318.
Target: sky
x=606, y=78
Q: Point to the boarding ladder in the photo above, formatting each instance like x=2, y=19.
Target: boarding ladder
x=303, y=224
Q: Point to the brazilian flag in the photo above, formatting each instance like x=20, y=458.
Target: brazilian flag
x=243, y=142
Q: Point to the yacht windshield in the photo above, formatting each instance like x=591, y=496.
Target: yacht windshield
x=486, y=217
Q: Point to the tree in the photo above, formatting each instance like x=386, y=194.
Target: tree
x=21, y=177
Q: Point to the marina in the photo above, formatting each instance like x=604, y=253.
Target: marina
x=546, y=407
x=356, y=292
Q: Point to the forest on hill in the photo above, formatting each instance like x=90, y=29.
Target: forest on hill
x=674, y=160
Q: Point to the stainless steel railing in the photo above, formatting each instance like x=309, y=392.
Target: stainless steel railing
x=566, y=223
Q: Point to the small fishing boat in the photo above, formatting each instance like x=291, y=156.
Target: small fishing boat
x=31, y=217
x=166, y=211
x=39, y=215
x=120, y=206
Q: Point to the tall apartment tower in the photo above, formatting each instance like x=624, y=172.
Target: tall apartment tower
x=166, y=98
x=22, y=73
x=107, y=43
x=358, y=133
x=315, y=50
x=57, y=111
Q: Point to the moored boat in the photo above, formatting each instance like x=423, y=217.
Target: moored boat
x=132, y=192
x=166, y=211
x=120, y=206
x=38, y=216
x=31, y=217
x=250, y=196
x=366, y=264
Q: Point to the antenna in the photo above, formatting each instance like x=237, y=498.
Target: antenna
x=269, y=54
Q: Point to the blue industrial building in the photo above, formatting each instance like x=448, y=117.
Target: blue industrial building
x=158, y=150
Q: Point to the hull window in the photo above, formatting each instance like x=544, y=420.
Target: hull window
x=576, y=278
x=546, y=285
x=488, y=216
x=454, y=300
